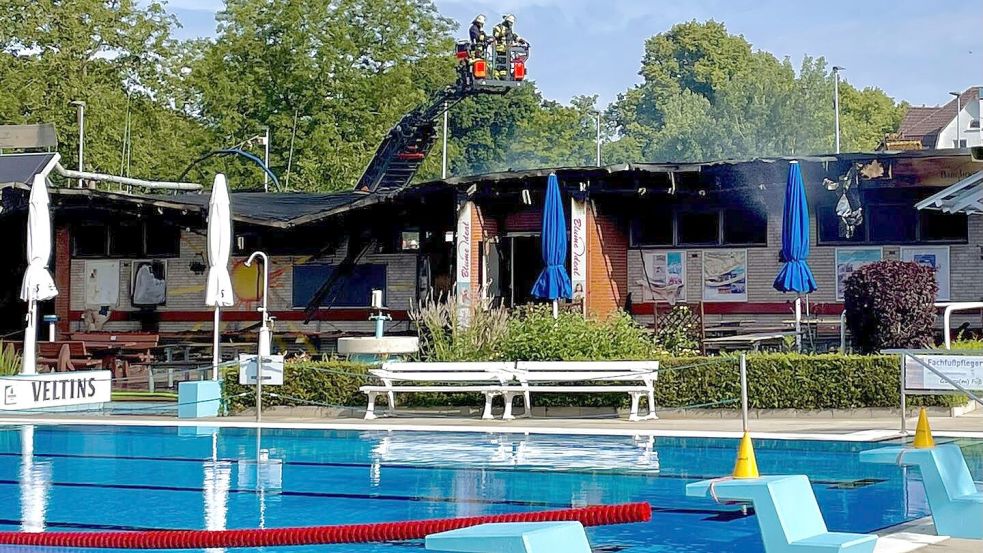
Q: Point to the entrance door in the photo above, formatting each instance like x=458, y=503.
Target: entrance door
x=526, y=264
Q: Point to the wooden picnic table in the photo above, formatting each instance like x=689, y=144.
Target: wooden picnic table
x=747, y=341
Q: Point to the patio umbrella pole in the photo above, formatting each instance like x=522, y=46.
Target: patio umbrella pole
x=216, y=339
x=556, y=309
x=798, y=324
x=30, y=339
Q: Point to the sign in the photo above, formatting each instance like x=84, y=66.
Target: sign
x=463, y=261
x=578, y=248
x=55, y=390
x=272, y=370
x=725, y=275
x=965, y=370
x=936, y=257
x=849, y=260
x=664, y=277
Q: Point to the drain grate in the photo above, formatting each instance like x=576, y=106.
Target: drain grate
x=854, y=484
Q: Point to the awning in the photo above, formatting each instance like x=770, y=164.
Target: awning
x=966, y=196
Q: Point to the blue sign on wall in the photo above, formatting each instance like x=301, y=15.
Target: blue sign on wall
x=352, y=290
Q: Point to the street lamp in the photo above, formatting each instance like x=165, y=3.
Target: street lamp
x=597, y=116
x=836, y=102
x=80, y=109
x=959, y=108
x=443, y=149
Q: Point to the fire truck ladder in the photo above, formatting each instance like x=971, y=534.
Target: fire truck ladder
x=407, y=145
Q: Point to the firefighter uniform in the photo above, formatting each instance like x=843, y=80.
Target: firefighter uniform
x=505, y=38
x=479, y=39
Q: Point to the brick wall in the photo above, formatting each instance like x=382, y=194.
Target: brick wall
x=607, y=263
x=186, y=290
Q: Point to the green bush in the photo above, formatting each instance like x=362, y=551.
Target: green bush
x=534, y=335
x=891, y=304
x=10, y=360
x=318, y=383
x=775, y=381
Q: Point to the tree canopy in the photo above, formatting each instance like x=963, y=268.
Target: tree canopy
x=329, y=79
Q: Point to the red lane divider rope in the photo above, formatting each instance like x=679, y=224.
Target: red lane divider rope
x=318, y=535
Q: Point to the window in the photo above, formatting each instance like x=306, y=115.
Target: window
x=162, y=240
x=732, y=226
x=409, y=240
x=654, y=229
x=353, y=289
x=90, y=240
x=126, y=239
x=961, y=143
x=745, y=226
x=892, y=223
x=935, y=226
x=698, y=228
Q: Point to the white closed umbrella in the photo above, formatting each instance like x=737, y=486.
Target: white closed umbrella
x=218, y=293
x=37, y=285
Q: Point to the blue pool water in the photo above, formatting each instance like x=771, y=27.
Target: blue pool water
x=134, y=478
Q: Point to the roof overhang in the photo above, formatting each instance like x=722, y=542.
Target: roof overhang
x=966, y=196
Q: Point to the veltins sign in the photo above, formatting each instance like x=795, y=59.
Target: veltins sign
x=965, y=370
x=55, y=390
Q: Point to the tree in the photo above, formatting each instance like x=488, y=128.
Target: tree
x=115, y=55
x=708, y=95
x=345, y=71
x=891, y=304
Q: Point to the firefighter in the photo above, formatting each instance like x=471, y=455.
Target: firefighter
x=479, y=39
x=505, y=38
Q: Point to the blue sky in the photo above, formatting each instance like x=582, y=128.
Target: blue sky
x=915, y=50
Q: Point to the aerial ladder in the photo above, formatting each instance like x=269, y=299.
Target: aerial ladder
x=407, y=145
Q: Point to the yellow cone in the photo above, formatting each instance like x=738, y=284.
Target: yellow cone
x=746, y=466
x=923, y=433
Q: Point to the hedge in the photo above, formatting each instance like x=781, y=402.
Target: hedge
x=775, y=381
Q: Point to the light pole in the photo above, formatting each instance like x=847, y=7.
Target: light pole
x=266, y=160
x=959, y=108
x=443, y=150
x=80, y=109
x=836, y=102
x=597, y=116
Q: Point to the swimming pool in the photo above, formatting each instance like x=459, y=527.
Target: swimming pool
x=135, y=478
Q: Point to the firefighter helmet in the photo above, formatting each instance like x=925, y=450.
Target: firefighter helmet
x=510, y=19
x=480, y=20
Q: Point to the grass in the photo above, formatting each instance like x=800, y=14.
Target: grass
x=144, y=396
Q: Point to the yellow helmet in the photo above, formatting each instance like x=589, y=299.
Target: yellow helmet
x=509, y=18
x=480, y=20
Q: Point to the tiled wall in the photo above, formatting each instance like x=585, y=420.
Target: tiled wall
x=186, y=290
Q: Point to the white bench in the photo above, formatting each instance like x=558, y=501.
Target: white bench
x=488, y=378
x=543, y=376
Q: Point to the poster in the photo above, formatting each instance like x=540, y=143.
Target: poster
x=101, y=283
x=664, y=277
x=725, y=275
x=936, y=257
x=849, y=260
x=149, y=284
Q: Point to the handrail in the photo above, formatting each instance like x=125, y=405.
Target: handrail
x=950, y=308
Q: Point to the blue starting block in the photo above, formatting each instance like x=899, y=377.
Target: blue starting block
x=787, y=512
x=513, y=537
x=956, y=504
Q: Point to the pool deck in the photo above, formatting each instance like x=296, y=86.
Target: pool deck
x=864, y=429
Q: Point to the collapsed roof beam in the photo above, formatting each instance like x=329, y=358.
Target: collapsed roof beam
x=150, y=185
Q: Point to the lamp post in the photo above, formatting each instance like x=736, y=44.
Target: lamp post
x=80, y=109
x=597, y=116
x=266, y=160
x=836, y=103
x=443, y=150
x=959, y=109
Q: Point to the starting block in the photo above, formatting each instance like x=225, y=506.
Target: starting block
x=788, y=514
x=517, y=537
x=956, y=504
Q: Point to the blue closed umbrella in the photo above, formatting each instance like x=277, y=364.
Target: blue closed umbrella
x=795, y=275
x=554, y=282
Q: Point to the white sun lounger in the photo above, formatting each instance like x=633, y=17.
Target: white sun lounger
x=488, y=378
x=574, y=377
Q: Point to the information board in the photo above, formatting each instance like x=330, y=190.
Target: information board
x=965, y=370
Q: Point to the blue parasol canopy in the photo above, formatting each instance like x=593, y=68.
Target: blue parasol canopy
x=553, y=282
x=795, y=275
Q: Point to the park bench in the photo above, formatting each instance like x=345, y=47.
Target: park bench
x=489, y=379
x=66, y=356
x=636, y=378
